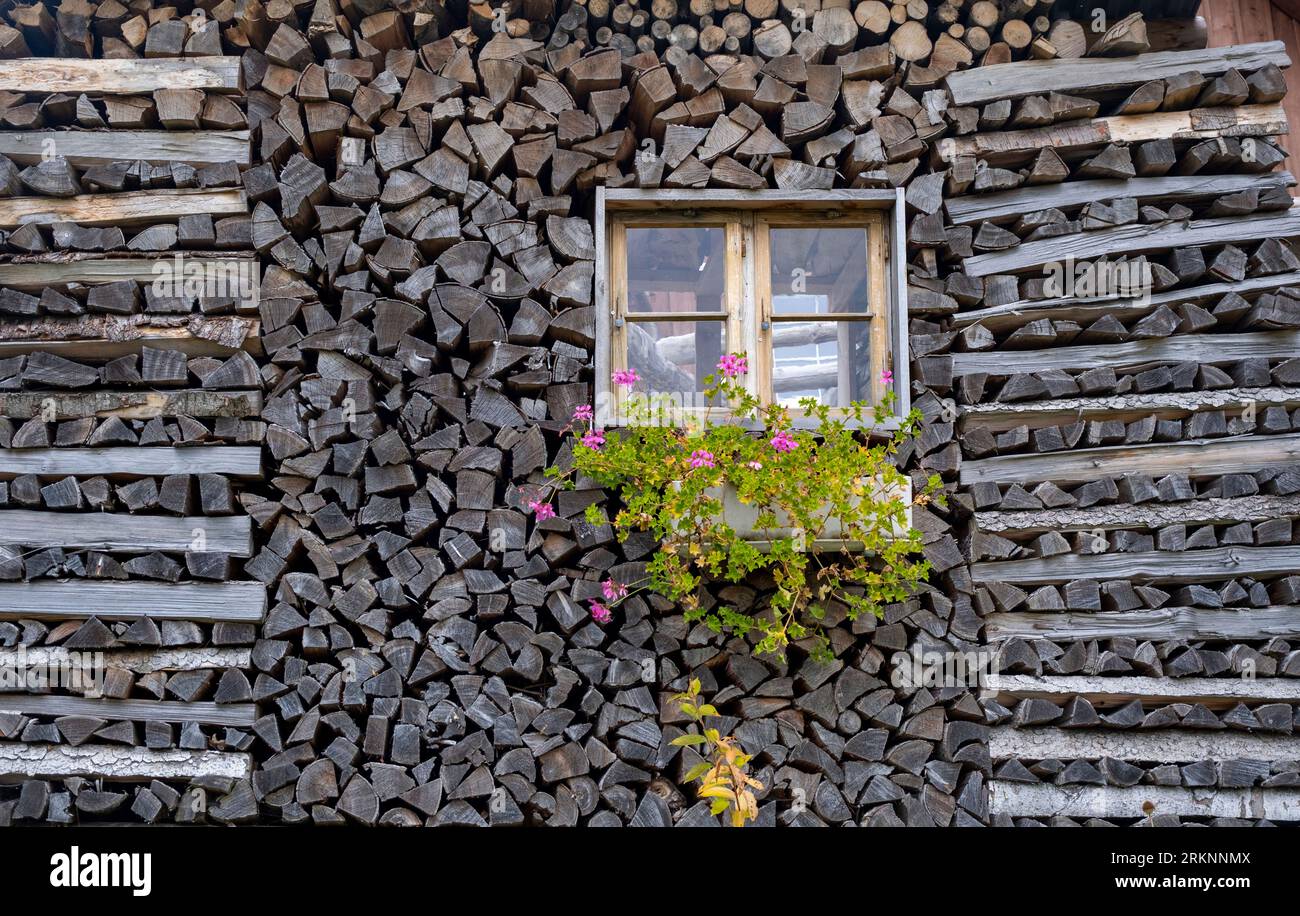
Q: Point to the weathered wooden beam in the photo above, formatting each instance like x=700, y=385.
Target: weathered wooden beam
x=1016, y=799
x=138, y=661
x=77, y=599
x=129, y=405
x=1016, y=146
x=127, y=209
x=228, y=276
x=117, y=763
x=1173, y=566
x=1166, y=623
x=104, y=337
x=1092, y=75
x=84, y=148
x=1195, y=457
x=237, y=461
x=1006, y=205
x=1135, y=238
x=109, y=76
x=1007, y=742
x=112, y=531
x=996, y=416
x=233, y=715
x=1003, y=318
x=1209, y=349
x=1217, y=510
x=1111, y=692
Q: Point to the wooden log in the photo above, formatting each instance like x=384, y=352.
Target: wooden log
x=1196, y=457
x=1003, y=318
x=231, y=715
x=999, y=417
x=129, y=405
x=1168, y=746
x=120, y=76
x=235, y=461
x=1134, y=239
x=77, y=599
x=1173, y=566
x=119, y=764
x=83, y=148
x=1090, y=76
x=1007, y=205
x=1015, y=799
x=1210, y=349
x=128, y=209
x=1018, y=146
x=137, y=661
x=1217, y=693
x=116, y=532
x=1162, y=624
x=103, y=337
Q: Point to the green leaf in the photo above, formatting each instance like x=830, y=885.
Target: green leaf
x=688, y=740
x=719, y=805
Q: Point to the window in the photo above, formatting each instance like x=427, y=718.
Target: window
x=811, y=286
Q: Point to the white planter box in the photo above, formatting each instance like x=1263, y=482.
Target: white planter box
x=742, y=518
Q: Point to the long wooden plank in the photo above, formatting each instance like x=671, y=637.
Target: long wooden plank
x=235, y=275
x=112, y=531
x=1218, y=510
x=1175, y=566
x=998, y=417
x=129, y=405
x=1166, y=746
x=1111, y=692
x=1166, y=623
x=1008, y=205
x=1003, y=318
x=84, y=148
x=1135, y=354
x=1073, y=139
x=235, y=460
x=138, y=661
x=1099, y=74
x=105, y=337
x=119, y=77
x=76, y=599
x=1042, y=799
x=1135, y=239
x=1195, y=457
x=128, y=209
x=233, y=715
x=117, y=763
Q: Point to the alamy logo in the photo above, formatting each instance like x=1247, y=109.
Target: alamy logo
x=103, y=869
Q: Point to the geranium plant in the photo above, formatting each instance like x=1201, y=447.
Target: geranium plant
x=801, y=481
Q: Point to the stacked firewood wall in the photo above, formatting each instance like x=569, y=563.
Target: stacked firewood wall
x=420, y=191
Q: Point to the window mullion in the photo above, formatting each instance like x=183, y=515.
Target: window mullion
x=761, y=309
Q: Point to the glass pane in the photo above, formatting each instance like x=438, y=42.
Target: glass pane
x=820, y=271
x=827, y=360
x=676, y=269
x=671, y=358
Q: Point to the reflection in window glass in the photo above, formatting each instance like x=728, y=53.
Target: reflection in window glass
x=672, y=357
x=822, y=271
x=830, y=361
x=676, y=269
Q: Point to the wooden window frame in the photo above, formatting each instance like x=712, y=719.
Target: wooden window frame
x=747, y=306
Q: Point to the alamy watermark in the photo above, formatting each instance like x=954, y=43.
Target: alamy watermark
x=1098, y=279
x=24, y=671
x=950, y=668
x=185, y=277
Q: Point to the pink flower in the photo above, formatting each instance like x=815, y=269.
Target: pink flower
x=626, y=377
x=584, y=413
x=756, y=465
x=599, y=612
x=702, y=459
x=733, y=365
x=784, y=442
x=614, y=591
x=887, y=377
x=542, y=510
x=594, y=439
